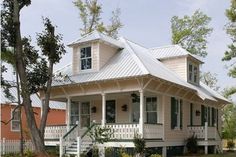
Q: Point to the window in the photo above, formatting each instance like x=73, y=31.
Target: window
x=74, y=113
x=85, y=114
x=135, y=110
x=176, y=113
x=193, y=73
x=15, y=123
x=85, y=58
x=190, y=74
x=151, y=110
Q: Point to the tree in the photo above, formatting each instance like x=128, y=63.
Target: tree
x=210, y=80
x=230, y=54
x=90, y=14
x=35, y=71
x=191, y=32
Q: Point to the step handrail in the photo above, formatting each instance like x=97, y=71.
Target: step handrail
x=89, y=128
x=71, y=129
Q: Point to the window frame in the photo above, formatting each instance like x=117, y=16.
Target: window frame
x=86, y=58
x=193, y=73
x=15, y=120
x=154, y=111
x=179, y=114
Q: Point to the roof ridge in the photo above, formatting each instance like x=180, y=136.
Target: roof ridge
x=135, y=57
x=164, y=46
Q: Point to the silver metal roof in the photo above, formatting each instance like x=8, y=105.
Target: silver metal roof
x=95, y=35
x=36, y=102
x=135, y=60
x=171, y=51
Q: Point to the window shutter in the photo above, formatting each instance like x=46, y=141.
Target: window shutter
x=191, y=114
x=173, y=113
x=213, y=116
x=181, y=113
x=209, y=116
x=203, y=115
x=217, y=118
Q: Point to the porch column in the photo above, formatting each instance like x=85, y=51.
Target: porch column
x=141, y=120
x=103, y=109
x=68, y=113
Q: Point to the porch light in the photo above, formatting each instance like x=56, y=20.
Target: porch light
x=94, y=109
x=124, y=107
x=197, y=113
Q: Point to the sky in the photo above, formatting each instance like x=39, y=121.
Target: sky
x=146, y=22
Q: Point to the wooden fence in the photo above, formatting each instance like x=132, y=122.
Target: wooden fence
x=13, y=146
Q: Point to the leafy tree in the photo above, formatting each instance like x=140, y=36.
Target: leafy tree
x=35, y=72
x=90, y=14
x=191, y=32
x=230, y=54
x=139, y=144
x=229, y=118
x=210, y=80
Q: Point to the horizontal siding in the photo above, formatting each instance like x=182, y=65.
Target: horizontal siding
x=106, y=52
x=178, y=65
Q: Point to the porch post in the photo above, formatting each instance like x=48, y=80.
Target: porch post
x=103, y=109
x=68, y=111
x=141, y=121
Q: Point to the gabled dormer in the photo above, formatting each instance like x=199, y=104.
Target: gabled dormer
x=177, y=59
x=92, y=52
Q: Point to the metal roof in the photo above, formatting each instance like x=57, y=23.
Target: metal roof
x=36, y=102
x=172, y=51
x=135, y=60
x=95, y=35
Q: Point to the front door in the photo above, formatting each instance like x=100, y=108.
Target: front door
x=85, y=114
x=110, y=111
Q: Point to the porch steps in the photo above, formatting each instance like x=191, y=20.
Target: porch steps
x=86, y=145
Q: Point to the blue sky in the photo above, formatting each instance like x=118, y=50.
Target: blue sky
x=145, y=21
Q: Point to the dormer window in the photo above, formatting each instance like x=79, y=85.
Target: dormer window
x=193, y=73
x=86, y=58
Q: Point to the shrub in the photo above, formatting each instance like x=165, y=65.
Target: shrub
x=155, y=155
x=230, y=144
x=191, y=144
x=139, y=144
x=125, y=155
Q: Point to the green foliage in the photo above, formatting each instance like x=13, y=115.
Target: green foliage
x=29, y=153
x=139, y=144
x=155, y=155
x=123, y=154
x=230, y=145
x=210, y=80
x=191, y=32
x=100, y=134
x=230, y=54
x=90, y=14
x=191, y=144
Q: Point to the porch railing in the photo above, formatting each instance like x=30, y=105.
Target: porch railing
x=203, y=132
x=123, y=131
x=55, y=131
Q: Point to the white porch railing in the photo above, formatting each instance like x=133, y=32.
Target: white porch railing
x=203, y=132
x=123, y=131
x=55, y=131
x=153, y=131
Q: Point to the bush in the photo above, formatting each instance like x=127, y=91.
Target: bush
x=191, y=144
x=230, y=145
x=155, y=155
x=139, y=144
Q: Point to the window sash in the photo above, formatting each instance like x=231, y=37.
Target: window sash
x=151, y=110
x=15, y=122
x=86, y=58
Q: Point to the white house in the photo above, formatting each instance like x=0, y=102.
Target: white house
x=132, y=89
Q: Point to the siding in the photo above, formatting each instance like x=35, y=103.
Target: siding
x=105, y=52
x=178, y=65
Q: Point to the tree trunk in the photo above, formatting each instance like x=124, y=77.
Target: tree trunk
x=20, y=65
x=45, y=106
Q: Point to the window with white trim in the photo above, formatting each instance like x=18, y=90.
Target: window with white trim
x=193, y=73
x=151, y=110
x=176, y=113
x=85, y=58
x=15, y=122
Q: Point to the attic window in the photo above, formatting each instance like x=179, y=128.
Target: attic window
x=193, y=73
x=85, y=58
